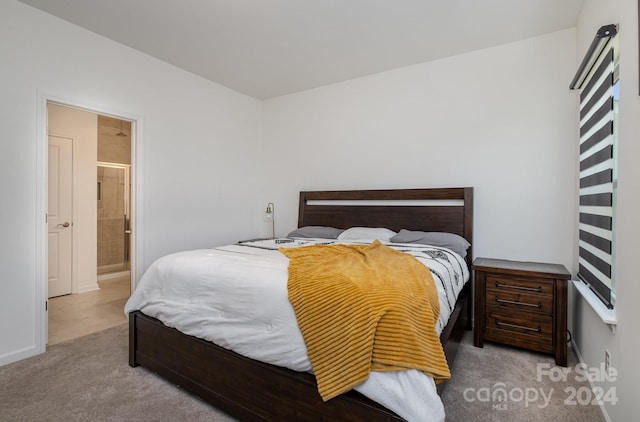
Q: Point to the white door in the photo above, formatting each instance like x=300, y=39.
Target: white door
x=60, y=221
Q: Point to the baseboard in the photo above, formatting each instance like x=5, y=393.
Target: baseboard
x=110, y=276
x=89, y=288
x=27, y=352
x=112, y=268
x=603, y=410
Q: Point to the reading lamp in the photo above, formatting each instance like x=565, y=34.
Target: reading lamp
x=603, y=36
x=268, y=215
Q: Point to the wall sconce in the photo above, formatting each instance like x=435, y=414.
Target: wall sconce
x=602, y=38
x=269, y=216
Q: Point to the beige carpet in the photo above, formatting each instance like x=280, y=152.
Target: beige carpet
x=531, y=395
x=88, y=379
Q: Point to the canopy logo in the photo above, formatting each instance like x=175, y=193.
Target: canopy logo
x=500, y=396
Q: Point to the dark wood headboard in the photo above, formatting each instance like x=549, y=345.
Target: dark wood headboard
x=438, y=209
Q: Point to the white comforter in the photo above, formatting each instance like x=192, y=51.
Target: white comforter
x=236, y=297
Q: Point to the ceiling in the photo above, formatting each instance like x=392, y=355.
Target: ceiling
x=268, y=48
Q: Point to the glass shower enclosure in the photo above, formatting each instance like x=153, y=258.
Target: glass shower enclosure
x=114, y=231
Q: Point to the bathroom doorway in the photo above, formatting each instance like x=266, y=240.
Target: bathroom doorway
x=100, y=224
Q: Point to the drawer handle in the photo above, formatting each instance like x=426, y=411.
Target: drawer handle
x=513, y=302
x=531, y=289
x=537, y=330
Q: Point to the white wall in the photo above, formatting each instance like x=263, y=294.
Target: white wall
x=591, y=336
x=500, y=119
x=199, y=150
x=82, y=127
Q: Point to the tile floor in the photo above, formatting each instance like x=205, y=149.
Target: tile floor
x=73, y=316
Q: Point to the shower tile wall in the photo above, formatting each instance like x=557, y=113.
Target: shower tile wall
x=113, y=148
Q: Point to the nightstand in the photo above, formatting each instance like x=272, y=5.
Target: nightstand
x=523, y=304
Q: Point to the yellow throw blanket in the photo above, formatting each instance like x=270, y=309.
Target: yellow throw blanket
x=364, y=308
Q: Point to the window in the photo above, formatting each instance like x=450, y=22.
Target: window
x=598, y=80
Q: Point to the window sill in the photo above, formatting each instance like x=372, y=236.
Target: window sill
x=607, y=315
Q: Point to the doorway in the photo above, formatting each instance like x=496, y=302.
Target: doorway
x=99, y=191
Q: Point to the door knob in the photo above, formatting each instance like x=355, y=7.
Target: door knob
x=65, y=224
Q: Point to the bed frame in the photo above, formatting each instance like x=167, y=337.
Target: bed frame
x=255, y=391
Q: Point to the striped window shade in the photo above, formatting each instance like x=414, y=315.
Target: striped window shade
x=596, y=194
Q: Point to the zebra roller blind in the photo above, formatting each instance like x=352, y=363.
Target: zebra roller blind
x=596, y=194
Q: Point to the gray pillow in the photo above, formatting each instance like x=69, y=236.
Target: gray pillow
x=316, y=231
x=456, y=243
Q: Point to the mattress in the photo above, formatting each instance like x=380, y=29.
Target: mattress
x=236, y=297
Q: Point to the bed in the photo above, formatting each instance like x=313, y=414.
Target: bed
x=252, y=390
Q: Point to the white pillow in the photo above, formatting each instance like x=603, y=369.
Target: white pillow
x=367, y=233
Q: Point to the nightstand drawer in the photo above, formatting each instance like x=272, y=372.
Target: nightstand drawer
x=514, y=327
x=513, y=299
x=521, y=285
